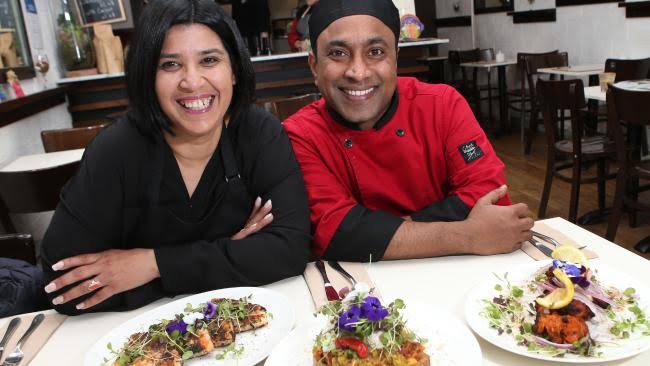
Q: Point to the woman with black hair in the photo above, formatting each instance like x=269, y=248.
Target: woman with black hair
x=197, y=189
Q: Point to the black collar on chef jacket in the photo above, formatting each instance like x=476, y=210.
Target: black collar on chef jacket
x=381, y=122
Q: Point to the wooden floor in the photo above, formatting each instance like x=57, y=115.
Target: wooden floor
x=525, y=176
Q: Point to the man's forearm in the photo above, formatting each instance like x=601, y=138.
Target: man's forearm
x=423, y=240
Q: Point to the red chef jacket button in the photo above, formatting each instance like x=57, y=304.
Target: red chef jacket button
x=400, y=132
x=347, y=143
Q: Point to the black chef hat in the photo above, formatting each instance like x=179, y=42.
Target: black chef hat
x=327, y=11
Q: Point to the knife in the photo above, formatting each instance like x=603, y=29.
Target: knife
x=330, y=292
x=13, y=324
x=541, y=247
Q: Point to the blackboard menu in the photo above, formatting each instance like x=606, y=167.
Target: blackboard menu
x=7, y=19
x=100, y=11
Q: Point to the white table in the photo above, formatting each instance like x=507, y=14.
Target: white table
x=503, y=88
x=42, y=161
x=443, y=282
x=574, y=71
x=595, y=93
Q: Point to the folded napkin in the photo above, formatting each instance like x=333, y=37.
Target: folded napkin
x=316, y=286
x=542, y=228
x=37, y=340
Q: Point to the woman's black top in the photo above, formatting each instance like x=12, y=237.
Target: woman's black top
x=129, y=193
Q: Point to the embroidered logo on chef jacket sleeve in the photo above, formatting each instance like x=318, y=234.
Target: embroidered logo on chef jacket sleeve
x=470, y=151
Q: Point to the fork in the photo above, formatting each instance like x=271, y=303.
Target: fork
x=337, y=266
x=17, y=354
x=551, y=240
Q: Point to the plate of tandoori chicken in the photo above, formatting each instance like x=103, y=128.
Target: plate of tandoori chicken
x=234, y=326
x=566, y=310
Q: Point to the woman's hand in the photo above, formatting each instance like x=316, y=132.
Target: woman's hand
x=259, y=218
x=108, y=273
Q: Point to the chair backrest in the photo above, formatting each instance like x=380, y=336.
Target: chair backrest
x=453, y=58
x=554, y=98
x=521, y=65
x=69, y=138
x=628, y=69
x=32, y=191
x=468, y=55
x=628, y=108
x=486, y=54
x=533, y=63
x=286, y=107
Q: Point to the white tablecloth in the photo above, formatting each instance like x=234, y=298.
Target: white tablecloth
x=442, y=281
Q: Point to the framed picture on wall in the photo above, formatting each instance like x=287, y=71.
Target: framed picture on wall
x=100, y=11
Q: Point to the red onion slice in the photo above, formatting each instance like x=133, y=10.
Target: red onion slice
x=546, y=342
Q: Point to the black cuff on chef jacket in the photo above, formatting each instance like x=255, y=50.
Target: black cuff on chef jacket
x=362, y=233
x=450, y=209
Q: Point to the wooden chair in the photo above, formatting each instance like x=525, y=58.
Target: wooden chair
x=471, y=89
x=457, y=73
x=556, y=97
x=519, y=98
x=286, y=107
x=628, y=69
x=32, y=191
x=629, y=109
x=69, y=138
x=532, y=64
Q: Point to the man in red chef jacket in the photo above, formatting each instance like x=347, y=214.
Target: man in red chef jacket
x=394, y=168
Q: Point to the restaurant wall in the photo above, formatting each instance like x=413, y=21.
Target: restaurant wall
x=460, y=38
x=590, y=34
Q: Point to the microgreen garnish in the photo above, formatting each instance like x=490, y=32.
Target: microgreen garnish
x=232, y=349
x=360, y=322
x=512, y=311
x=178, y=336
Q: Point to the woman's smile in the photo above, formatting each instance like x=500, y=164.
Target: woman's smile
x=196, y=104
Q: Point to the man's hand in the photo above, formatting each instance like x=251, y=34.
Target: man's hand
x=106, y=273
x=259, y=218
x=494, y=229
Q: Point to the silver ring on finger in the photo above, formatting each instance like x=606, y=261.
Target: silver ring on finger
x=94, y=284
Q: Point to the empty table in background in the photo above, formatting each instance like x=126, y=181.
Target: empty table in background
x=42, y=161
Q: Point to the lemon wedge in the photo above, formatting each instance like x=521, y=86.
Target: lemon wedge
x=569, y=253
x=560, y=297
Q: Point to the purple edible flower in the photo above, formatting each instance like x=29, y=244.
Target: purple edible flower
x=210, y=310
x=372, y=310
x=347, y=319
x=571, y=270
x=179, y=326
x=580, y=281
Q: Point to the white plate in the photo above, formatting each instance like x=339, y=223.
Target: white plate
x=518, y=274
x=450, y=342
x=257, y=344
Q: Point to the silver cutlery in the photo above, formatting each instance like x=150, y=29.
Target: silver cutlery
x=551, y=240
x=337, y=266
x=546, y=238
x=330, y=292
x=541, y=247
x=13, y=324
x=17, y=354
